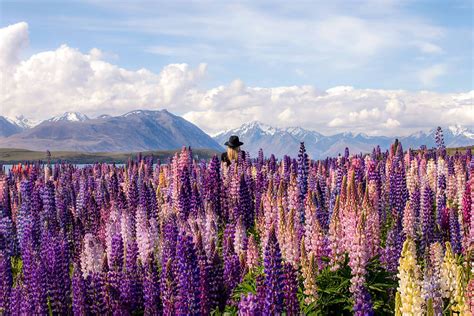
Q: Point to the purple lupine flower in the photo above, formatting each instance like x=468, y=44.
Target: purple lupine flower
x=204, y=269
x=454, y=231
x=232, y=269
x=33, y=280
x=427, y=219
x=151, y=290
x=290, y=290
x=188, y=296
x=56, y=268
x=96, y=293
x=130, y=287
x=78, y=292
x=303, y=166
x=216, y=280
x=273, y=276
x=442, y=213
x=6, y=281
x=248, y=305
x=168, y=288
x=245, y=203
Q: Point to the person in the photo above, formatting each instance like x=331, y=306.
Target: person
x=233, y=150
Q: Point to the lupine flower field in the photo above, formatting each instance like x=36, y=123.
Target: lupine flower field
x=385, y=233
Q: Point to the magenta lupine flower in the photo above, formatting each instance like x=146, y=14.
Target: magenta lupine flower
x=358, y=261
x=253, y=255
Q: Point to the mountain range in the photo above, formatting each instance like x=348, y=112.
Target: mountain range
x=134, y=131
x=143, y=130
x=286, y=141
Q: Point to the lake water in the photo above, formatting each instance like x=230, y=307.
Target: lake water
x=7, y=168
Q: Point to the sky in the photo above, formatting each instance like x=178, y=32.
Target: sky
x=379, y=67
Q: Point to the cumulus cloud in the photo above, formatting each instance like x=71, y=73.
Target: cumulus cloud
x=66, y=79
x=13, y=39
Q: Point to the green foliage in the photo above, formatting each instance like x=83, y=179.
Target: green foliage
x=17, y=267
x=334, y=297
x=248, y=284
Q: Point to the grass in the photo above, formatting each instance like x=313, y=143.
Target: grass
x=16, y=155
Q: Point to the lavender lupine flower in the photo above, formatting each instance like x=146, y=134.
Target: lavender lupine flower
x=248, y=305
x=273, y=276
x=393, y=247
x=431, y=287
x=188, y=298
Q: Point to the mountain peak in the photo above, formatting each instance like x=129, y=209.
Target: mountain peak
x=457, y=130
x=264, y=128
x=22, y=122
x=70, y=117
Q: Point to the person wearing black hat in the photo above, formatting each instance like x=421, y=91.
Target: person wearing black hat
x=233, y=150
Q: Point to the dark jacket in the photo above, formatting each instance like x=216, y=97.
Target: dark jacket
x=225, y=158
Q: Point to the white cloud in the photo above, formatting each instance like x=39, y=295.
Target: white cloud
x=65, y=79
x=13, y=39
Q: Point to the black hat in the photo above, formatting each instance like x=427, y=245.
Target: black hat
x=233, y=142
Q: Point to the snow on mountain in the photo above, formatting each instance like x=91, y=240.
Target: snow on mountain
x=279, y=141
x=134, y=131
x=70, y=117
x=457, y=130
x=22, y=122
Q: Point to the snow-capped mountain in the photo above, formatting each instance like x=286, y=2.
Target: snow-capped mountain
x=23, y=122
x=286, y=141
x=133, y=131
x=70, y=117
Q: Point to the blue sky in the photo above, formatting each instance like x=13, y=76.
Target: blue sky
x=410, y=45
x=381, y=67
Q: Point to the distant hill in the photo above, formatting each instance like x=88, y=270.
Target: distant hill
x=286, y=141
x=133, y=131
x=12, y=156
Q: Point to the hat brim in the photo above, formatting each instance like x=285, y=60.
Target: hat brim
x=233, y=145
